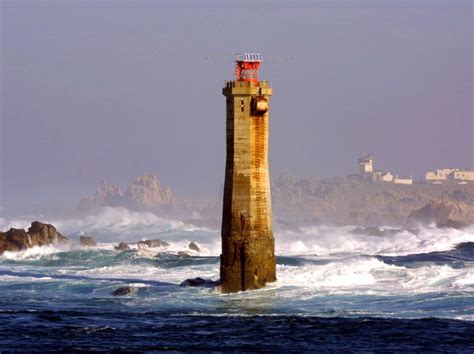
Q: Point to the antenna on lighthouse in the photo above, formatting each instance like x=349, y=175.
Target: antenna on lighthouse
x=273, y=59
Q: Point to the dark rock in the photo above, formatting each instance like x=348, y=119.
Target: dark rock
x=444, y=212
x=44, y=234
x=38, y=234
x=87, y=241
x=152, y=244
x=141, y=244
x=122, y=246
x=183, y=254
x=14, y=240
x=194, y=247
x=126, y=290
x=199, y=282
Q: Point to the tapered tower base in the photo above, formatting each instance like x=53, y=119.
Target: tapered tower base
x=248, y=247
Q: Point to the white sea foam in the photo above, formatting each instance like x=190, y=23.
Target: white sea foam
x=116, y=220
x=105, y=220
x=467, y=280
x=326, y=241
x=110, y=225
x=36, y=252
x=24, y=279
x=152, y=273
x=113, y=225
x=122, y=224
x=17, y=222
x=348, y=268
x=369, y=275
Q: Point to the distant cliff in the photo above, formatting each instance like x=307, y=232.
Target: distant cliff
x=352, y=201
x=142, y=193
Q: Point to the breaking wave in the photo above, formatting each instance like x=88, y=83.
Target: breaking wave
x=326, y=241
x=322, y=270
x=113, y=225
x=369, y=275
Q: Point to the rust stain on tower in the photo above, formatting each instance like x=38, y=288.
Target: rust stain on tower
x=248, y=246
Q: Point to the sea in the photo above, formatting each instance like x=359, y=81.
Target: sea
x=336, y=291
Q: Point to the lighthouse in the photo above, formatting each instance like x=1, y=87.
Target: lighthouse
x=248, y=246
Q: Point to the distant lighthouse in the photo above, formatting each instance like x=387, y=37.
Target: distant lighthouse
x=248, y=246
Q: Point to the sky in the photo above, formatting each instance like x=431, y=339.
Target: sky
x=95, y=90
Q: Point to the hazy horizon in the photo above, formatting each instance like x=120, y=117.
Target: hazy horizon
x=111, y=90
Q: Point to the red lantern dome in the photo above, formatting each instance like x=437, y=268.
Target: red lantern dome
x=247, y=65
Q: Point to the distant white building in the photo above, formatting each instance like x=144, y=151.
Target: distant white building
x=461, y=176
x=452, y=175
x=386, y=177
x=440, y=175
x=402, y=180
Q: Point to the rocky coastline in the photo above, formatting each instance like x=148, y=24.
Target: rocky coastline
x=296, y=202
x=38, y=234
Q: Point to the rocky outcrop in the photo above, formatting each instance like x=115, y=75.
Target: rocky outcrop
x=87, y=241
x=122, y=246
x=194, y=247
x=146, y=192
x=142, y=193
x=443, y=212
x=38, y=234
x=126, y=290
x=152, y=244
x=208, y=283
x=106, y=195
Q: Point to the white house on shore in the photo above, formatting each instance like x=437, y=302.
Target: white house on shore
x=449, y=175
x=403, y=180
x=386, y=177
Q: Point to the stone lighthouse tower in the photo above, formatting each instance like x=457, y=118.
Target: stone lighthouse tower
x=248, y=246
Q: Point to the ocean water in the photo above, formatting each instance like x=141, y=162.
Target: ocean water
x=335, y=291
